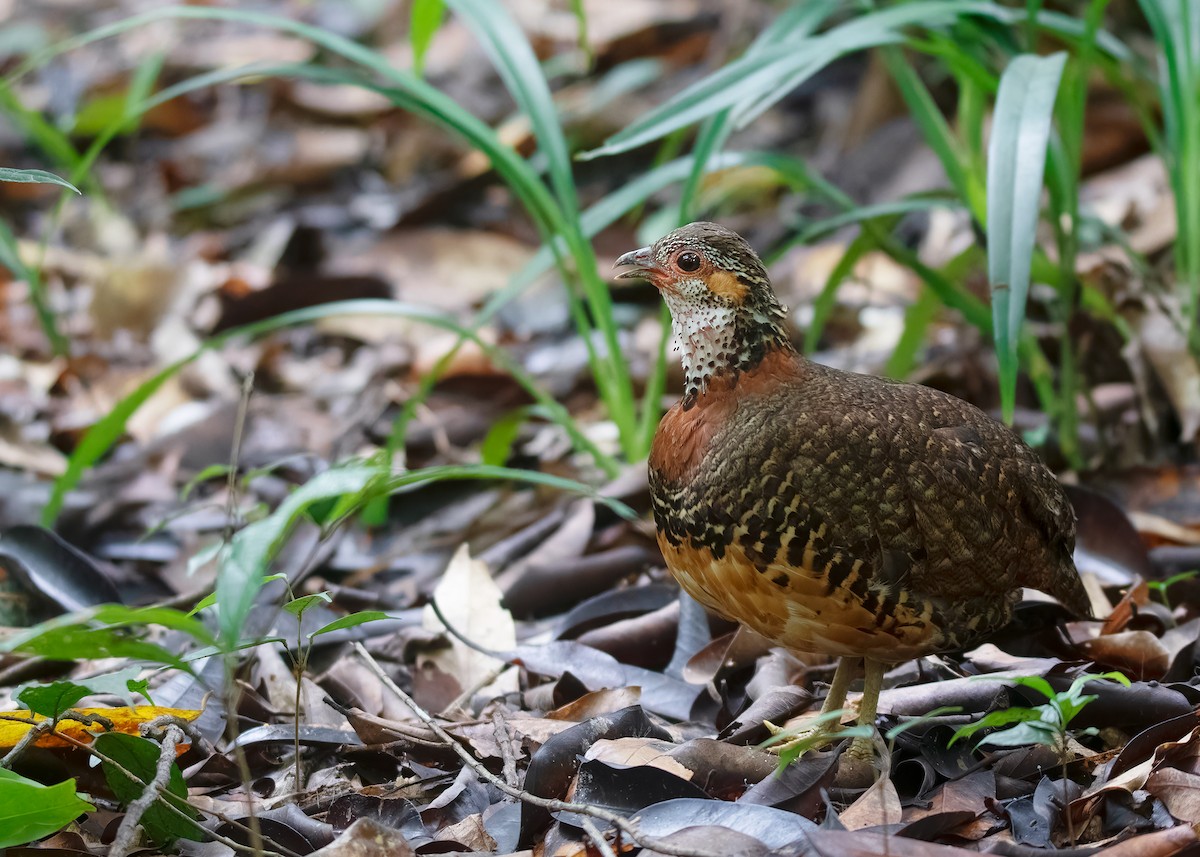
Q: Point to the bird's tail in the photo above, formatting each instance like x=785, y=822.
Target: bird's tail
x=1067, y=587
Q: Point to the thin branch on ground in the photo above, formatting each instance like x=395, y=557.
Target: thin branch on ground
x=172, y=808
x=624, y=825
x=126, y=838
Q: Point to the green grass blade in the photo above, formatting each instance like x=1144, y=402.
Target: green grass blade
x=424, y=22
x=10, y=257
x=240, y=574
x=824, y=305
x=796, y=22
x=935, y=130
x=1176, y=28
x=1016, y=162
x=509, y=50
x=924, y=202
x=756, y=81
x=107, y=431
x=917, y=318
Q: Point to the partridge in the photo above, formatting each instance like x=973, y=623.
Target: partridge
x=829, y=511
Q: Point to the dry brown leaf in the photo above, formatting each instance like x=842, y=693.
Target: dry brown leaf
x=1138, y=654
x=471, y=602
x=1179, y=790
x=597, y=702
x=880, y=804
x=634, y=752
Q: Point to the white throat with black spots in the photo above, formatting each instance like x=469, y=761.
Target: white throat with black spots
x=706, y=333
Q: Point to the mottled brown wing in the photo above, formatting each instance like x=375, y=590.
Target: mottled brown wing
x=998, y=514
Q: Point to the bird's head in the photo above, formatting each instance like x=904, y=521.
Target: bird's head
x=723, y=310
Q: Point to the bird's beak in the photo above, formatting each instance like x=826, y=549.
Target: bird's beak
x=643, y=261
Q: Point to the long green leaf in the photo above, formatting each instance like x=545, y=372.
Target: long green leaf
x=10, y=257
x=1176, y=28
x=756, y=82
x=796, y=22
x=105, y=432
x=509, y=50
x=935, y=129
x=8, y=174
x=243, y=567
x=1016, y=162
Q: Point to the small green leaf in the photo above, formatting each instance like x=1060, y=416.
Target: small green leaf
x=1033, y=682
x=298, y=606
x=51, y=700
x=1030, y=732
x=30, y=810
x=353, y=620
x=995, y=719
x=498, y=443
x=210, y=472
x=8, y=174
x=425, y=21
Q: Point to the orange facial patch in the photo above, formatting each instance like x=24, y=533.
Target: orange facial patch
x=725, y=285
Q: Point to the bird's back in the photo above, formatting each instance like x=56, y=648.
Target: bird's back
x=857, y=516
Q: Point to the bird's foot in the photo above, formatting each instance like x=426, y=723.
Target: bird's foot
x=856, y=767
x=799, y=741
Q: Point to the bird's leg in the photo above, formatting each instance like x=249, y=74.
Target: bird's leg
x=834, y=700
x=856, y=767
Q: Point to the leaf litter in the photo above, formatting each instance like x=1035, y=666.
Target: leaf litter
x=578, y=705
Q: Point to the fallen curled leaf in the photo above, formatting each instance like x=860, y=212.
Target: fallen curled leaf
x=1179, y=790
x=1138, y=654
x=15, y=725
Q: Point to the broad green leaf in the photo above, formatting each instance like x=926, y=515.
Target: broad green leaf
x=1016, y=161
x=30, y=811
x=140, y=757
x=1030, y=732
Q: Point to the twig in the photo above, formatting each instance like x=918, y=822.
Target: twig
x=126, y=836
x=598, y=839
x=506, y=751
x=627, y=827
x=460, y=702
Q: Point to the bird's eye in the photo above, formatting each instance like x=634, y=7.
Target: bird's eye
x=689, y=262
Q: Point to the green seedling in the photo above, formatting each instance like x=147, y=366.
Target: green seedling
x=1161, y=586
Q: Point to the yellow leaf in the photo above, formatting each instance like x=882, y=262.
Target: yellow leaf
x=14, y=725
